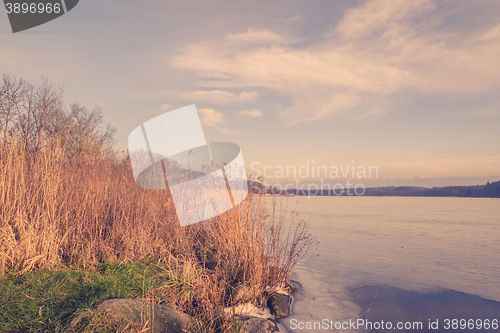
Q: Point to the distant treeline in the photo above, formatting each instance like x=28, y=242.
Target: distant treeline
x=489, y=190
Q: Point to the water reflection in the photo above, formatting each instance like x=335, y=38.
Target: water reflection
x=446, y=311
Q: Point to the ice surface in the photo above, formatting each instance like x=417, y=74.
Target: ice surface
x=411, y=243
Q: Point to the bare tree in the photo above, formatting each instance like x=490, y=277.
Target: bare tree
x=86, y=134
x=35, y=116
x=11, y=93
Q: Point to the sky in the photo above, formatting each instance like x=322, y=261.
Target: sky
x=409, y=87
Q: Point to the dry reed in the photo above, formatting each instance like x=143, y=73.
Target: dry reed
x=85, y=210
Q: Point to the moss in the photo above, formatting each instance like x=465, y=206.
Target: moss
x=208, y=255
x=46, y=299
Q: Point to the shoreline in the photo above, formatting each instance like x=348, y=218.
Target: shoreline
x=68, y=285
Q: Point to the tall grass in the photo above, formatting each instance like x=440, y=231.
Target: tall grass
x=87, y=210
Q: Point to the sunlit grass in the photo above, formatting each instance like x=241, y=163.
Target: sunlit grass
x=64, y=220
x=48, y=299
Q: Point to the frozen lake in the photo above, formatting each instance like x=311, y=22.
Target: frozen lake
x=415, y=244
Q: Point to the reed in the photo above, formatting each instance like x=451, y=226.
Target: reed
x=86, y=210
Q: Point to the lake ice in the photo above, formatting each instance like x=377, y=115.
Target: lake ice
x=410, y=243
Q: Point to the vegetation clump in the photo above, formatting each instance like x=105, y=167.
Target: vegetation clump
x=75, y=228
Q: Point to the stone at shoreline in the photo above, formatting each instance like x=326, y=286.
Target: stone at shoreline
x=258, y=325
x=247, y=310
x=261, y=320
x=254, y=320
x=131, y=315
x=243, y=293
x=280, y=305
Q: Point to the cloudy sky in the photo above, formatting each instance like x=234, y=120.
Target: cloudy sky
x=412, y=87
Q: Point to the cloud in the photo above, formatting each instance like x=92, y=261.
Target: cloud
x=380, y=16
x=216, y=96
x=379, y=55
x=215, y=119
x=419, y=164
x=254, y=113
x=290, y=20
x=165, y=108
x=211, y=117
x=260, y=36
x=492, y=34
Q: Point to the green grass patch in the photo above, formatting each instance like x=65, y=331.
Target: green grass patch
x=44, y=300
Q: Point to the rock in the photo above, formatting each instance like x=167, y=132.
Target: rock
x=258, y=325
x=242, y=293
x=131, y=315
x=244, y=310
x=280, y=305
x=253, y=319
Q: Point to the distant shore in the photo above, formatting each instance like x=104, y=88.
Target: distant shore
x=489, y=190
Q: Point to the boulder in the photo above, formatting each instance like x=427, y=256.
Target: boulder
x=258, y=325
x=280, y=305
x=245, y=310
x=243, y=293
x=132, y=315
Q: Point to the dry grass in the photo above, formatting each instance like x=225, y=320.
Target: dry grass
x=87, y=210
